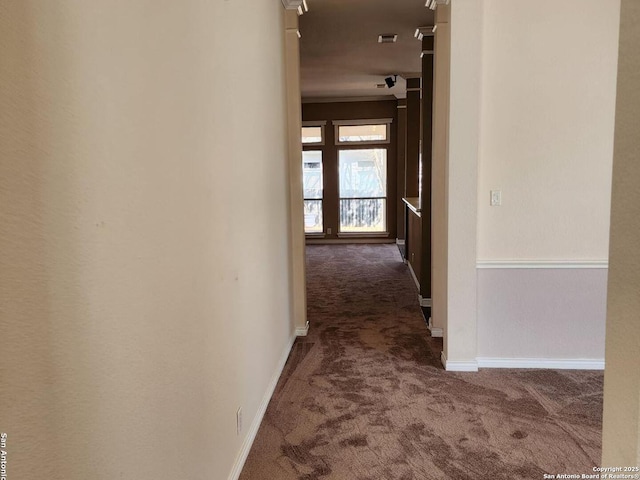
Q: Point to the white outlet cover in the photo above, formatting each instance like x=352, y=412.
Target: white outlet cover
x=496, y=198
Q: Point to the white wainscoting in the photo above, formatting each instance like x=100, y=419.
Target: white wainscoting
x=541, y=314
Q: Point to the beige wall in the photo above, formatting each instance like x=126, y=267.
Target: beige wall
x=532, y=101
x=547, y=121
x=143, y=236
x=548, y=102
x=621, y=429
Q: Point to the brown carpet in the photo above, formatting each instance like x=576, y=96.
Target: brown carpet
x=364, y=396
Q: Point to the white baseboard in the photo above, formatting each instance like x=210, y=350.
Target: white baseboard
x=399, y=241
x=346, y=241
x=257, y=419
x=424, y=301
x=302, y=331
x=435, y=332
x=413, y=275
x=532, y=363
x=457, y=366
x=549, y=363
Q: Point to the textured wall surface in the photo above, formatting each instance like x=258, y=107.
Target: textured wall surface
x=548, y=105
x=546, y=123
x=532, y=115
x=143, y=218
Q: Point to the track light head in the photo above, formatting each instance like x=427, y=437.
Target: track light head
x=391, y=81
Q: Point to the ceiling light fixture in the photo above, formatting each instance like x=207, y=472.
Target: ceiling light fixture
x=387, y=38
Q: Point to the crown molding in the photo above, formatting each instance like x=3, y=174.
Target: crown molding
x=377, y=98
x=292, y=4
x=422, y=32
x=299, y=5
x=432, y=4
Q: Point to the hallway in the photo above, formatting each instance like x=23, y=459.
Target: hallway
x=364, y=396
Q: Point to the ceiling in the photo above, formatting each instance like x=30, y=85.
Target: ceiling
x=340, y=56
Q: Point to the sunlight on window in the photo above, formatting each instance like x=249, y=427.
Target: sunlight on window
x=362, y=133
x=311, y=135
x=312, y=184
x=363, y=190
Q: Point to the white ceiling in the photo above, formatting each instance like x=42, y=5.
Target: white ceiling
x=339, y=51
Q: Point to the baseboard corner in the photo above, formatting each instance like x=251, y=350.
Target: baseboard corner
x=424, y=301
x=302, y=331
x=458, y=366
x=435, y=331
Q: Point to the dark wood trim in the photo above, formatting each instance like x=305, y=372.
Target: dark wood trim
x=426, y=159
x=402, y=158
x=412, y=188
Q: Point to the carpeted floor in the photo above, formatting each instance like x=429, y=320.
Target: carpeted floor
x=364, y=396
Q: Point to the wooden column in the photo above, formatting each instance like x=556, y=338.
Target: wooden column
x=294, y=149
x=440, y=130
x=412, y=187
x=401, y=167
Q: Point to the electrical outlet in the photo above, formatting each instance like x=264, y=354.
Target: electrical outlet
x=496, y=198
x=329, y=231
x=239, y=421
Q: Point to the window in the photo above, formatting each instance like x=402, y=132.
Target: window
x=362, y=132
x=313, y=187
x=313, y=133
x=363, y=190
x=357, y=157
